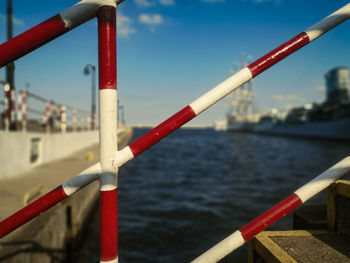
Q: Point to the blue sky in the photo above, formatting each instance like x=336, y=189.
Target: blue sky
x=172, y=51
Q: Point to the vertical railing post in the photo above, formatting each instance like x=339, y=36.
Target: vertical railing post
x=63, y=114
x=22, y=109
x=47, y=116
x=108, y=133
x=12, y=108
x=10, y=71
x=7, y=106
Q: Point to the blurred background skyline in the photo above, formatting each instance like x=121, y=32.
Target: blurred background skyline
x=172, y=51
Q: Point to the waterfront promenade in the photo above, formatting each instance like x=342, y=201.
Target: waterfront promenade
x=46, y=176
x=51, y=236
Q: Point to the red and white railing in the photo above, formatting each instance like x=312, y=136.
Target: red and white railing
x=300, y=196
x=22, y=109
x=47, y=115
x=27, y=104
x=9, y=105
x=49, y=112
x=106, y=171
x=39, y=35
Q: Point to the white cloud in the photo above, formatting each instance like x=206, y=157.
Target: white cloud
x=213, y=1
x=124, y=28
x=166, y=2
x=290, y=98
x=263, y=1
x=16, y=21
x=151, y=20
x=149, y=3
x=143, y=3
x=148, y=19
x=302, y=97
x=321, y=88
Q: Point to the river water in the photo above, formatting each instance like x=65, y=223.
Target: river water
x=197, y=186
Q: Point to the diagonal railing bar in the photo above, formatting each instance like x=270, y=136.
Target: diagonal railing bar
x=50, y=199
x=50, y=29
x=230, y=84
x=300, y=196
x=37, y=97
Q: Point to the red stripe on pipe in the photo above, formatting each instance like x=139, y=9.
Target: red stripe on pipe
x=107, y=47
x=278, y=54
x=270, y=216
x=162, y=130
x=31, y=211
x=31, y=39
x=109, y=225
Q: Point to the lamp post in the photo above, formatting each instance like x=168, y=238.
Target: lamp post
x=10, y=72
x=91, y=70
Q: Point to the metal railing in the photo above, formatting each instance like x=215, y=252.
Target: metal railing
x=37, y=113
x=106, y=171
x=58, y=116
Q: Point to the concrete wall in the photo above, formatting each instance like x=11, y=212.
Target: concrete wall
x=20, y=151
x=51, y=236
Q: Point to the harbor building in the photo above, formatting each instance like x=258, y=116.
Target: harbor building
x=338, y=85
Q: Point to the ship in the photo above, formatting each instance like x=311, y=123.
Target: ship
x=240, y=116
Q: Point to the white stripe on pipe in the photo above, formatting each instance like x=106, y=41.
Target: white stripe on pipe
x=108, y=182
x=328, y=23
x=323, y=180
x=221, y=90
x=123, y=156
x=221, y=249
x=110, y=261
x=108, y=129
x=82, y=179
x=108, y=139
x=83, y=11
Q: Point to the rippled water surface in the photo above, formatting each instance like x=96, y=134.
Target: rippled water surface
x=197, y=186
